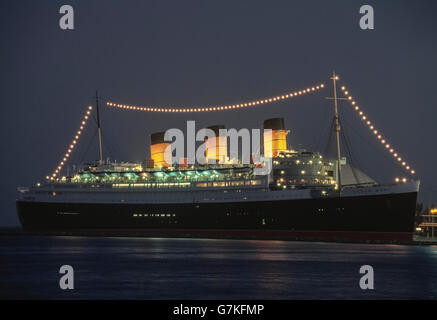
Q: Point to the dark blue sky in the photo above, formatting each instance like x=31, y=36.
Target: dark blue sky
x=209, y=53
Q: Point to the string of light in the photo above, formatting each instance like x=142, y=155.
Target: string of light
x=218, y=108
x=70, y=148
x=378, y=134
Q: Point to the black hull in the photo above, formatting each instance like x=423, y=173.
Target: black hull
x=382, y=217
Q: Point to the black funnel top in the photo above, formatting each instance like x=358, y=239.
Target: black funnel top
x=274, y=124
x=216, y=129
x=157, y=137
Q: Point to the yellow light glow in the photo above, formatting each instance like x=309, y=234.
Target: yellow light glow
x=73, y=143
x=218, y=108
x=371, y=127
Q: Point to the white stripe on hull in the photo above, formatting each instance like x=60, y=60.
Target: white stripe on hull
x=109, y=195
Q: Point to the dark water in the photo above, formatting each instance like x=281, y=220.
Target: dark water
x=137, y=268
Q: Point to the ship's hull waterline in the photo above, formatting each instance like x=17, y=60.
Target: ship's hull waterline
x=385, y=217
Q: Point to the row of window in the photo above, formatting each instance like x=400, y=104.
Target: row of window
x=151, y=185
x=187, y=184
x=162, y=215
x=323, y=210
x=169, y=215
x=229, y=183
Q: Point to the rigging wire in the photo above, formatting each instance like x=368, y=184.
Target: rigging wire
x=322, y=133
x=348, y=148
x=111, y=147
x=90, y=142
x=330, y=134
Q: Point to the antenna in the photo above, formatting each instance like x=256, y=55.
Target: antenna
x=99, y=130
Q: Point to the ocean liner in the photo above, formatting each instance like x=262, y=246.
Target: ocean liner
x=306, y=195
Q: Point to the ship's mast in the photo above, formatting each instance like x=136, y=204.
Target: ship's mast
x=99, y=130
x=337, y=128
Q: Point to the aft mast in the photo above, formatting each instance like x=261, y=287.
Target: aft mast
x=337, y=127
x=99, y=130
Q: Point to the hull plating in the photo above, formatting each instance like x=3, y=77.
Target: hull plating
x=384, y=217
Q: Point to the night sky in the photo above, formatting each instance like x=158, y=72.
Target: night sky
x=193, y=53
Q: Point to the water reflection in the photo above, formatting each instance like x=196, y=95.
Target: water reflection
x=158, y=268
